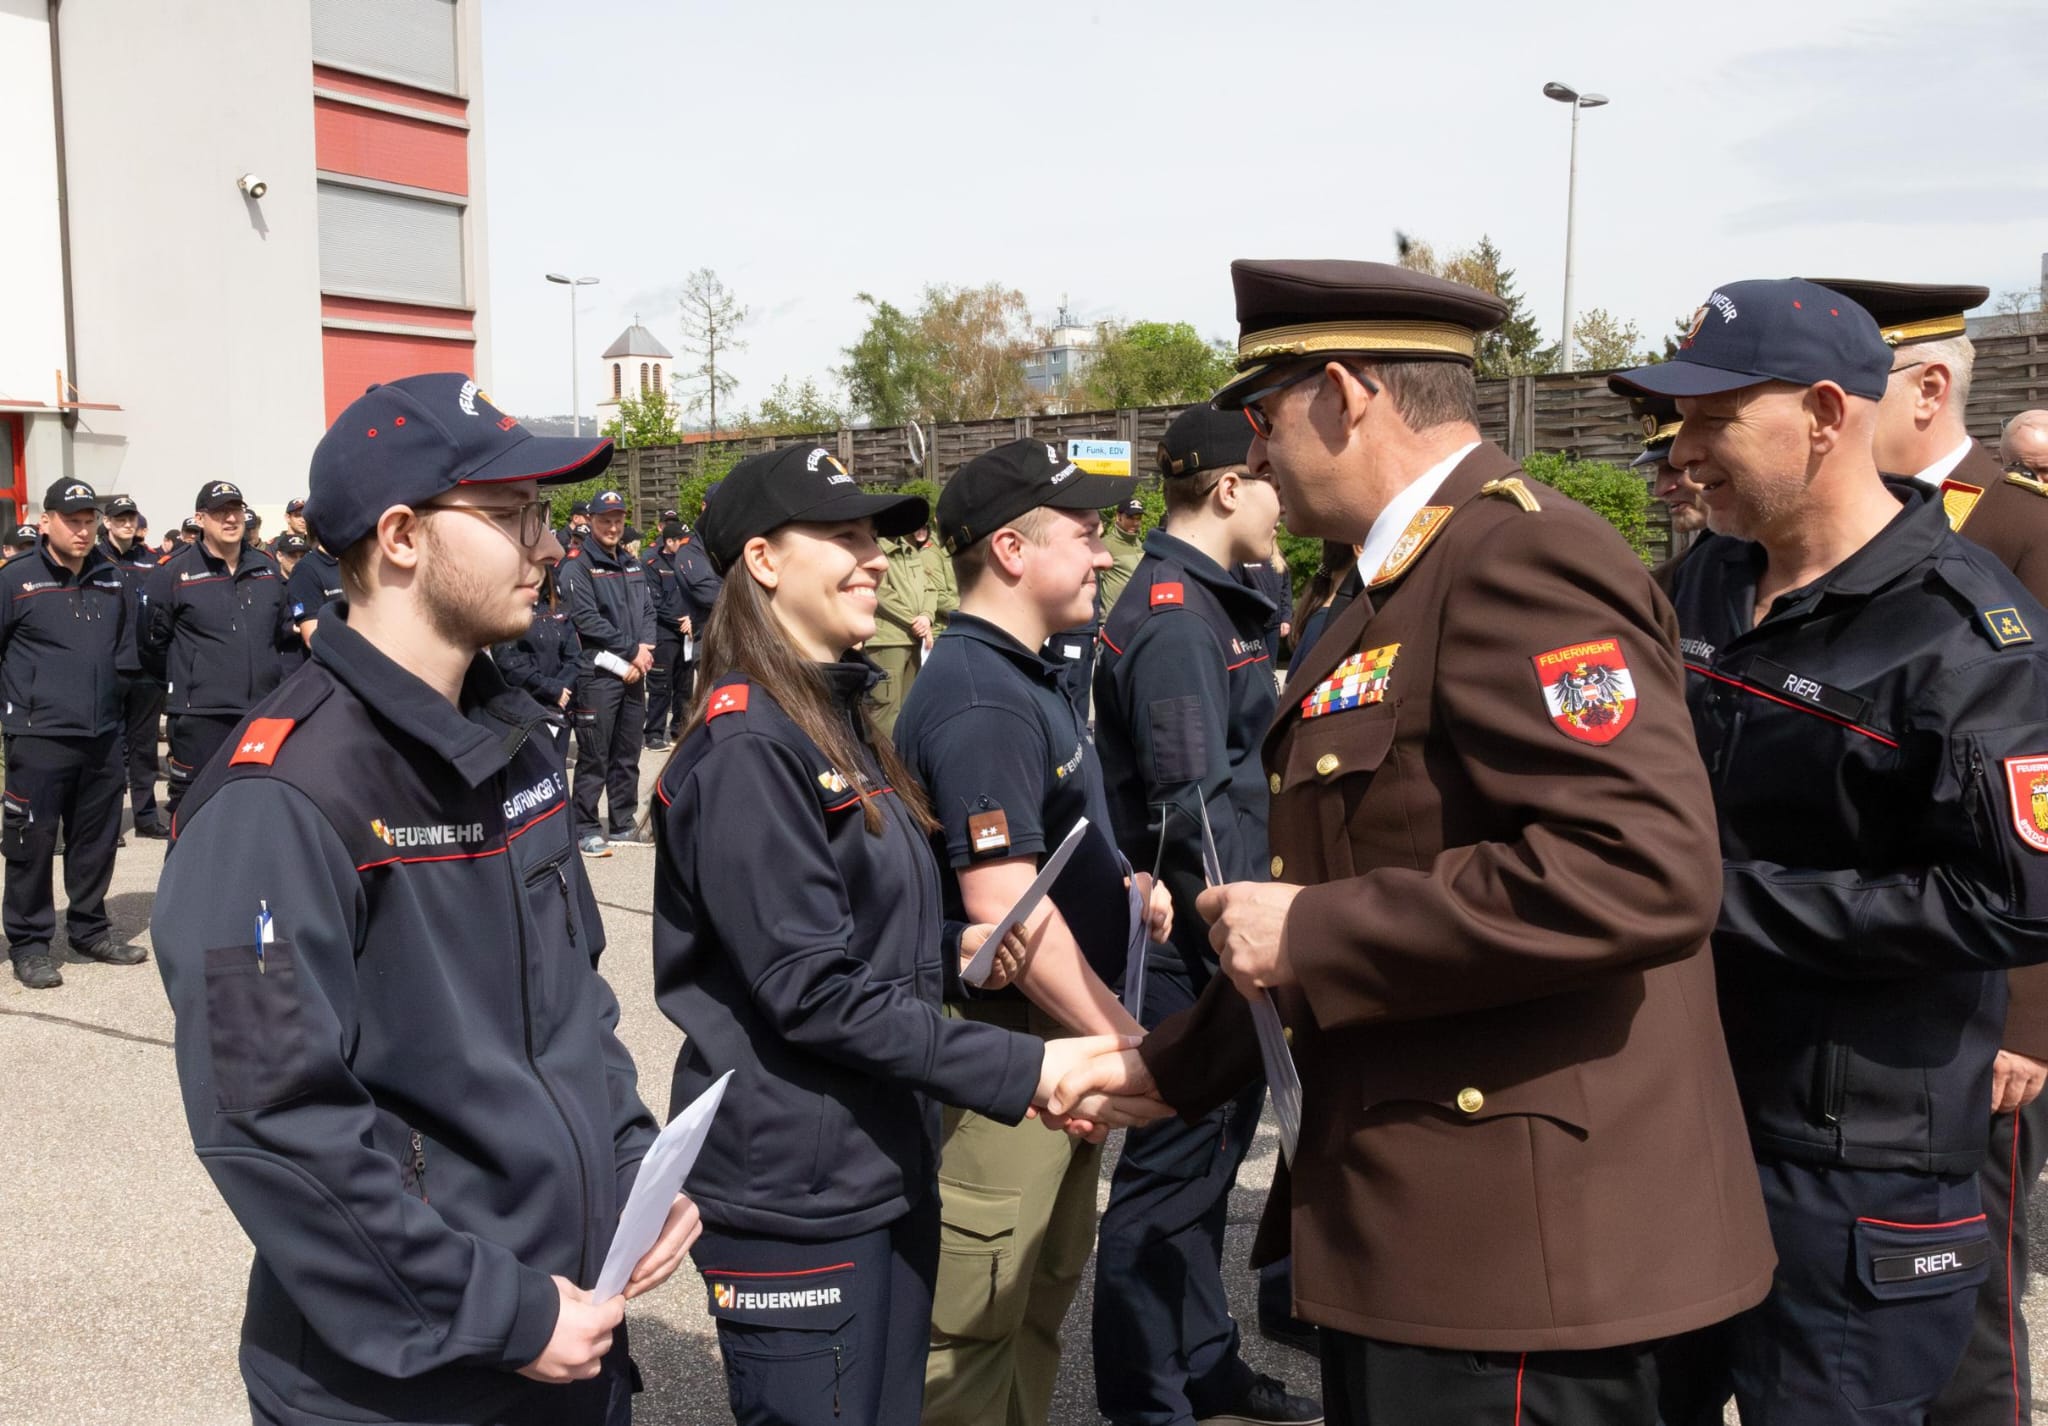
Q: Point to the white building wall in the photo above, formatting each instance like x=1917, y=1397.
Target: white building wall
x=470, y=57
x=195, y=309
x=31, y=253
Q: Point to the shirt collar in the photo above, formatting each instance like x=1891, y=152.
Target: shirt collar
x=966, y=626
x=1386, y=530
x=477, y=739
x=1945, y=467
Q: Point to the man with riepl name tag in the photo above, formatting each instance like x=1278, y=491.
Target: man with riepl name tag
x=1873, y=711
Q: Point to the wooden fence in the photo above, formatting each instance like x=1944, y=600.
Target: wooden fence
x=1567, y=411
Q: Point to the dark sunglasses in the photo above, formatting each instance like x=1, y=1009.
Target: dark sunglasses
x=1262, y=424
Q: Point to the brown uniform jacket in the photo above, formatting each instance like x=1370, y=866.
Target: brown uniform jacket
x=2008, y=516
x=1519, y=1127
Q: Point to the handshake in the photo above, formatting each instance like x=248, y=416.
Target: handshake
x=1090, y=1084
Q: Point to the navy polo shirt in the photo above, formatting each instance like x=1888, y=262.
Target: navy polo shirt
x=1009, y=768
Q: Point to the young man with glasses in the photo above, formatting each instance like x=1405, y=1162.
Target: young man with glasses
x=215, y=624
x=1494, y=872
x=397, y=1055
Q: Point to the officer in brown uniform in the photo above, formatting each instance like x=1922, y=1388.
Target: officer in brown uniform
x=1521, y=1161
x=1921, y=432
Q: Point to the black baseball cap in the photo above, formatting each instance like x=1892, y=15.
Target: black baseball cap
x=581, y=507
x=68, y=497
x=1132, y=506
x=406, y=441
x=291, y=544
x=1203, y=438
x=218, y=495
x=1774, y=329
x=122, y=505
x=24, y=535
x=764, y=492
x=673, y=531
x=295, y=506
x=190, y=525
x=997, y=486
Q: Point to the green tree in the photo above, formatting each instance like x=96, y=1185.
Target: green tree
x=1515, y=347
x=1605, y=342
x=888, y=366
x=1618, y=496
x=960, y=357
x=649, y=419
x=711, y=318
x=791, y=410
x=1155, y=364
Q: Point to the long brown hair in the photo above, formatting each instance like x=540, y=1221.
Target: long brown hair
x=743, y=634
x=1338, y=558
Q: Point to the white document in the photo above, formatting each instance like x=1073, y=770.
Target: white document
x=668, y=1163
x=1282, y=1080
x=977, y=970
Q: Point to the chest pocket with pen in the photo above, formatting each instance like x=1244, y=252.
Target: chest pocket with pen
x=255, y=1032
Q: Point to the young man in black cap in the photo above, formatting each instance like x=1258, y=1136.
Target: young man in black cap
x=1125, y=538
x=63, y=619
x=19, y=541
x=214, y=629
x=1834, y=622
x=1184, y=693
x=606, y=590
x=676, y=619
x=294, y=523
x=141, y=696
x=397, y=1055
x=996, y=741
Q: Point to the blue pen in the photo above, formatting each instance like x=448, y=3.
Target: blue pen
x=262, y=935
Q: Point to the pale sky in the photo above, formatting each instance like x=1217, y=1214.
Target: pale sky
x=1122, y=154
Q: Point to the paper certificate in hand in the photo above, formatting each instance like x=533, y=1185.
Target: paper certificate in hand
x=662, y=1172
x=1281, y=1077
x=976, y=970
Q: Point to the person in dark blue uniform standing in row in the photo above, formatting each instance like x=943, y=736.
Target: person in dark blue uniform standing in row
x=398, y=1059
x=1184, y=693
x=1872, y=706
x=799, y=941
x=63, y=618
x=544, y=659
x=606, y=589
x=684, y=586
x=216, y=624
x=141, y=696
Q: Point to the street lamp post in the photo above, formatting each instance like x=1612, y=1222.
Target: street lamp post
x=1565, y=94
x=575, y=362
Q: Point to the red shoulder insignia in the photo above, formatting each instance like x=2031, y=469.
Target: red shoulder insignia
x=1164, y=594
x=261, y=740
x=730, y=699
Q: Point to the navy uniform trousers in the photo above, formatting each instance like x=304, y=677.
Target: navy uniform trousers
x=1994, y=1385
x=668, y=687
x=142, y=716
x=74, y=783
x=827, y=1332
x=609, y=716
x=1165, y=1342
x=1872, y=1304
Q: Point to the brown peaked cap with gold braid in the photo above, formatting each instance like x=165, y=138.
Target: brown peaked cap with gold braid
x=1310, y=307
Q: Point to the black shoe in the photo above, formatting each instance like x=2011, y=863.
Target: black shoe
x=1266, y=1402
x=656, y=744
x=1291, y=1332
x=150, y=831
x=109, y=952
x=37, y=972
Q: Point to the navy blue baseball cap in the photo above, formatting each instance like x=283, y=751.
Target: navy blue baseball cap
x=1781, y=329
x=608, y=502
x=407, y=441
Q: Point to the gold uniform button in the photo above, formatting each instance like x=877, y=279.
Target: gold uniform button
x=1273, y=781
x=1278, y=866
x=1471, y=1100
x=1326, y=764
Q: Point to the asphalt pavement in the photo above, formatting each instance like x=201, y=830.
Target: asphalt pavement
x=127, y=1271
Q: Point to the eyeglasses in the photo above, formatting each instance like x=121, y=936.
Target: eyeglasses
x=1262, y=424
x=523, y=524
x=1907, y=367
x=2020, y=467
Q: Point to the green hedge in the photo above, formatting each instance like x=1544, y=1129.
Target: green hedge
x=1620, y=497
